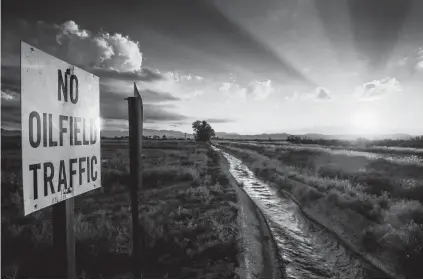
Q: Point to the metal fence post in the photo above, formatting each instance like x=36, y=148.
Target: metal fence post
x=135, y=112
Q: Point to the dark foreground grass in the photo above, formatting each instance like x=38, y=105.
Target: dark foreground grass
x=188, y=215
x=376, y=204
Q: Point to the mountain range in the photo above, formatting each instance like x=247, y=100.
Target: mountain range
x=314, y=136
x=264, y=136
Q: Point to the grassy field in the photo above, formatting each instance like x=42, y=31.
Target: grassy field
x=188, y=213
x=376, y=203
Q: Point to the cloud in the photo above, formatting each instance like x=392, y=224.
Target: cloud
x=178, y=77
x=70, y=42
x=198, y=93
x=114, y=106
x=114, y=57
x=319, y=94
x=10, y=109
x=225, y=86
x=10, y=78
x=144, y=74
x=124, y=89
x=407, y=66
x=260, y=90
x=156, y=113
x=294, y=96
x=150, y=96
x=219, y=120
x=377, y=89
x=323, y=94
x=111, y=124
x=235, y=91
x=105, y=50
x=419, y=64
x=9, y=95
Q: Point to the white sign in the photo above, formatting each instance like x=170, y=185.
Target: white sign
x=60, y=110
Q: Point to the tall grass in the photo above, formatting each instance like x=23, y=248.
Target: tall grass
x=187, y=210
x=386, y=195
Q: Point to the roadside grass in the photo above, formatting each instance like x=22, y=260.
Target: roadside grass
x=387, y=196
x=187, y=210
x=415, y=143
x=347, y=146
x=375, y=176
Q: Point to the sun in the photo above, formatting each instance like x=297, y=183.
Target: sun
x=365, y=121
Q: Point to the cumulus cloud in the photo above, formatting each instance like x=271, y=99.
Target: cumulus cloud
x=115, y=58
x=105, y=50
x=76, y=45
x=377, y=89
x=199, y=78
x=260, y=90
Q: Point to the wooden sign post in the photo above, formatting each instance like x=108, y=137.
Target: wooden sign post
x=64, y=239
x=135, y=111
x=60, y=113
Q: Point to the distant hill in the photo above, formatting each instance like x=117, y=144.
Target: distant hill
x=225, y=135
x=313, y=136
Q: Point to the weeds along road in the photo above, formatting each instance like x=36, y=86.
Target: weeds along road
x=307, y=249
x=188, y=211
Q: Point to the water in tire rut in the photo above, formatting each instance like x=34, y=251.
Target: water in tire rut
x=307, y=249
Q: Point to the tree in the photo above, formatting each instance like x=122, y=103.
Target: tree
x=293, y=139
x=164, y=137
x=202, y=131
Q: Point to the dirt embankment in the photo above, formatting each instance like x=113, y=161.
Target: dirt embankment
x=259, y=256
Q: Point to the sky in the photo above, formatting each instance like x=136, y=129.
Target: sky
x=247, y=67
